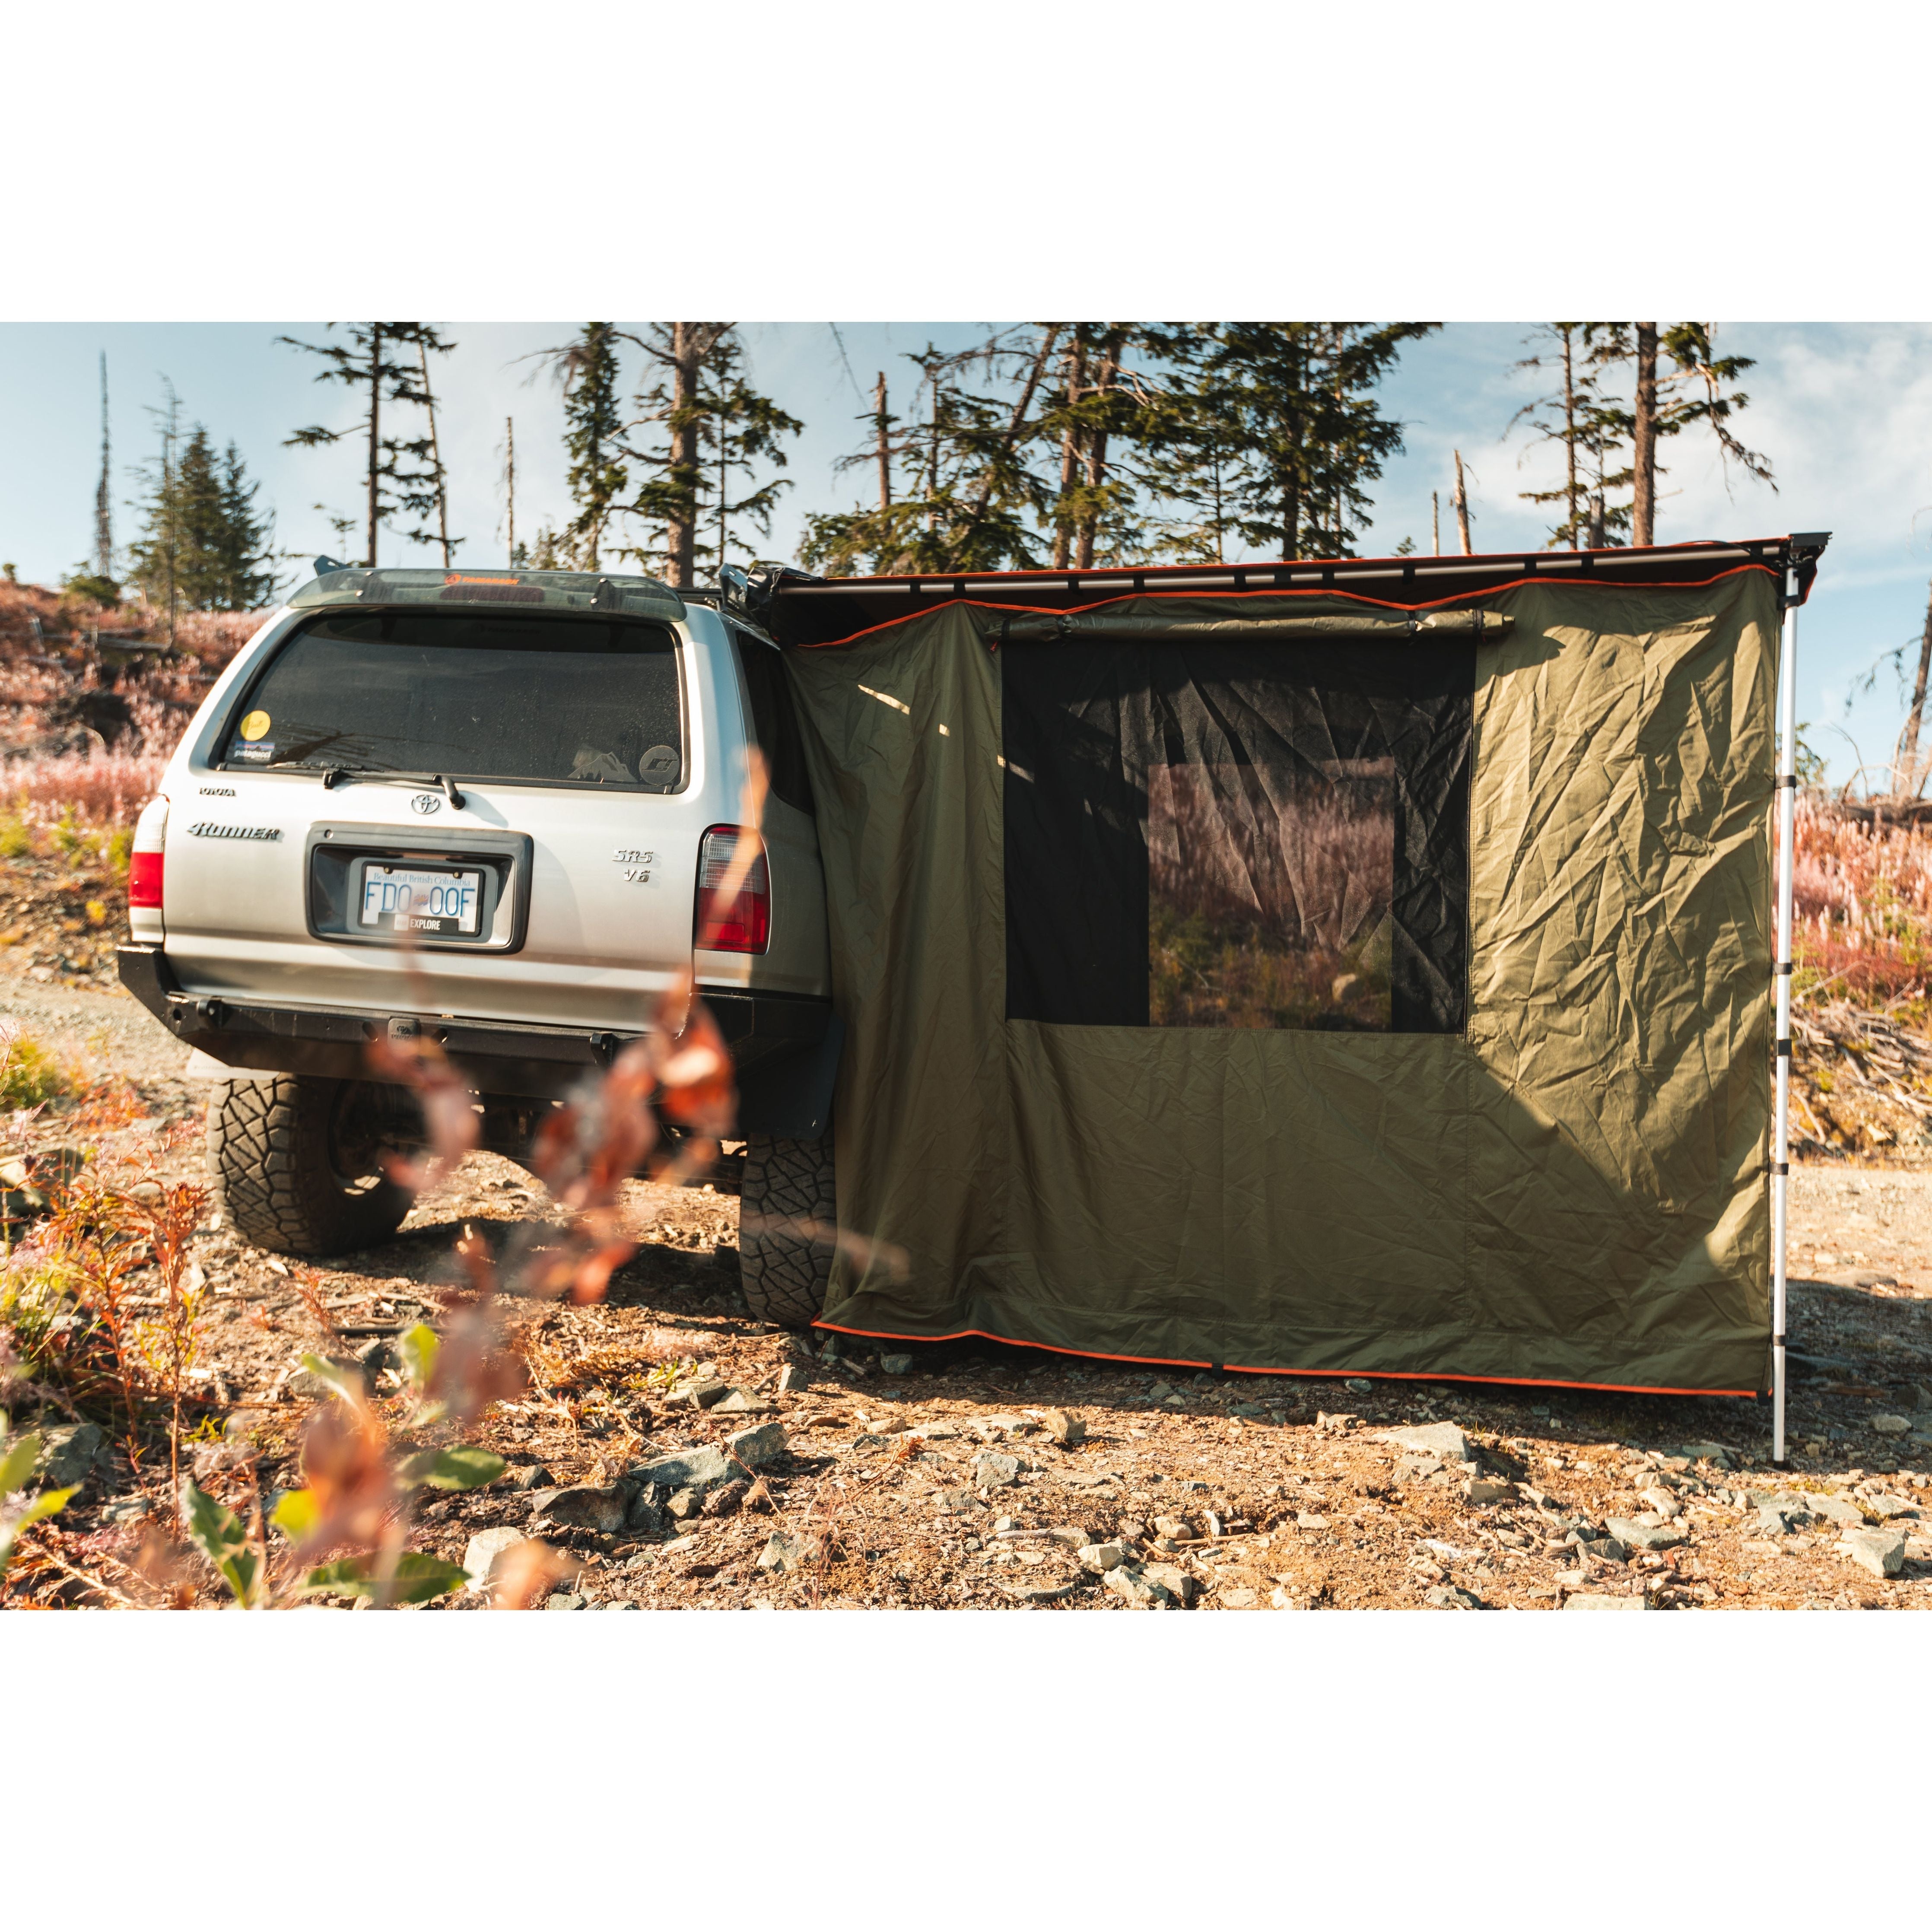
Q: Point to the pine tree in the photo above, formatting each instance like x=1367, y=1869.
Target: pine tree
x=861, y=540
x=588, y=370
x=742, y=428
x=1189, y=457
x=204, y=546
x=972, y=501
x=715, y=426
x=1098, y=404
x=1305, y=433
x=154, y=557
x=1694, y=389
x=248, y=580
x=403, y=473
x=673, y=499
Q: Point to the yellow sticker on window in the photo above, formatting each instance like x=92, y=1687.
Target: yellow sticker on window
x=255, y=725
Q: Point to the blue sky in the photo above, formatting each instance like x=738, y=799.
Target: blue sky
x=1844, y=409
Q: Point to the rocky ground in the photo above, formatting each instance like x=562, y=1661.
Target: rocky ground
x=676, y=1453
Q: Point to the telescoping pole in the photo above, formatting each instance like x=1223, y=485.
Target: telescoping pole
x=1780, y=1165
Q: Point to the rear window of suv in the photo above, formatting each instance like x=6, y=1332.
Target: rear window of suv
x=476, y=694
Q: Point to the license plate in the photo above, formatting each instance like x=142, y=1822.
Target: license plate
x=413, y=898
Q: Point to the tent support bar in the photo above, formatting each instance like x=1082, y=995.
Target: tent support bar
x=1780, y=1168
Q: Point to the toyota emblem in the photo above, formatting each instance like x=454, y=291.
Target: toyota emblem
x=424, y=802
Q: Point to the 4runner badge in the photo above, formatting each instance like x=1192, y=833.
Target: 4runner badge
x=207, y=829
x=424, y=802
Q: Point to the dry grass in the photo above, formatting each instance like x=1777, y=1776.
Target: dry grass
x=1269, y=907
x=83, y=740
x=1862, y=900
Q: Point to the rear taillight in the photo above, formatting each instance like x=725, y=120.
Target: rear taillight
x=145, y=865
x=734, y=892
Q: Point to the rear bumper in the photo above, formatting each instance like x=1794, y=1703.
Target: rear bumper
x=784, y=1048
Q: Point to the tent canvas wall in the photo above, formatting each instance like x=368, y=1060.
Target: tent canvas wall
x=1315, y=973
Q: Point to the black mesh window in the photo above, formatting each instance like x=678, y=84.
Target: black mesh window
x=1251, y=834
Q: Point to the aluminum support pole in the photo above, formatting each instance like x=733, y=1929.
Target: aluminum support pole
x=1780, y=1162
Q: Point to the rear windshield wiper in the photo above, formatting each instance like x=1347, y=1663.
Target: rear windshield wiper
x=331, y=775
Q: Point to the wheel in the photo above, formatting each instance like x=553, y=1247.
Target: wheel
x=296, y=1162
x=787, y=1219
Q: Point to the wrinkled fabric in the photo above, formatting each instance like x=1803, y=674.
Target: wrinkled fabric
x=1571, y=1189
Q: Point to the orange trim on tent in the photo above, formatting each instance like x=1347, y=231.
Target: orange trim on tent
x=943, y=601
x=1240, y=1368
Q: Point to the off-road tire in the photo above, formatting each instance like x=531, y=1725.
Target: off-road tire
x=787, y=1213
x=273, y=1155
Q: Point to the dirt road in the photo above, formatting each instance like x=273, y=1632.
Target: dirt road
x=946, y=1475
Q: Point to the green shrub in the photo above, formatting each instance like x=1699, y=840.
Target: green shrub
x=30, y=1075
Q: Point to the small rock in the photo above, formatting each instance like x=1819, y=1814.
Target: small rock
x=533, y=1476
x=1238, y=1598
x=1178, y=1584
x=1442, y=1439
x=895, y=1365
x=1070, y=1534
x=1004, y=1425
x=127, y=1509
x=564, y=1600
x=1840, y=1510
x=1880, y=1551
x=1484, y=1489
x=1178, y=1529
x=485, y=1553
x=1133, y=1587
x=1102, y=1557
x=689, y=1468
x=1308, y=1519
x=1891, y=1425
x=685, y=1503
x=755, y=1447
x=780, y=1553
x=1608, y=1549
x=739, y=1402
x=1663, y=1504
x=583, y=1507
x=792, y=1378
x=992, y=1470
x=1447, y=1597
x=1600, y=1599
x=1773, y=1522
x=68, y=1451
x=1046, y=1593
x=1160, y=1392
x=1638, y=1535
x=1711, y=1452
x=727, y=1499
x=1067, y=1430
x=1339, y=1424
x=379, y=1359
x=1886, y=1507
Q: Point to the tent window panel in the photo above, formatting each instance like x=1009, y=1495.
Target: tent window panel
x=1260, y=834
x=1269, y=906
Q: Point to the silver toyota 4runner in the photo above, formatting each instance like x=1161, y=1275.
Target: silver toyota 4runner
x=496, y=807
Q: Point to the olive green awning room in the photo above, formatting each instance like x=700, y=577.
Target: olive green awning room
x=1322, y=968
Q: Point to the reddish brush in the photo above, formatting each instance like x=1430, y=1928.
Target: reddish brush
x=1862, y=898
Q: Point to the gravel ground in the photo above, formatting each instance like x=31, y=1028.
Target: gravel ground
x=1226, y=1492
